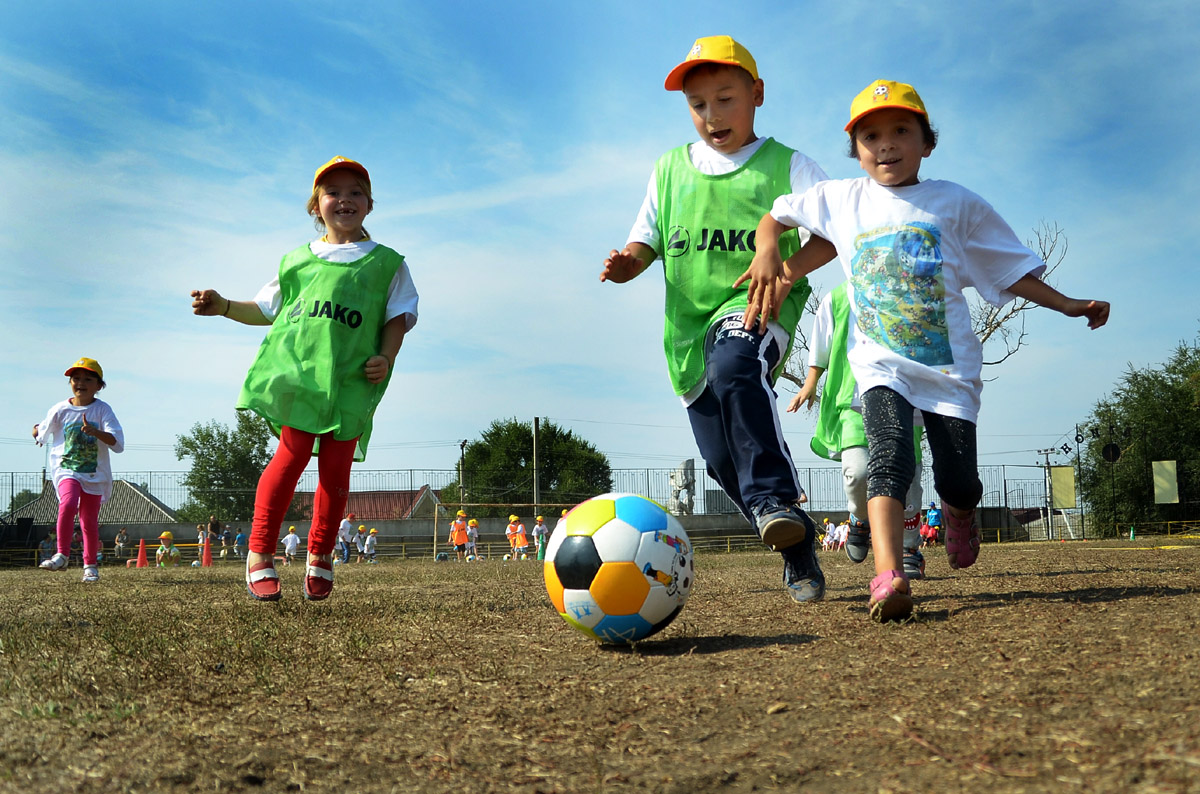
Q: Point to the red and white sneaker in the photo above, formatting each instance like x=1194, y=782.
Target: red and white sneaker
x=262, y=582
x=318, y=577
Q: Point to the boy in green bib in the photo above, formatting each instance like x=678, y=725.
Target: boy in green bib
x=701, y=209
x=339, y=309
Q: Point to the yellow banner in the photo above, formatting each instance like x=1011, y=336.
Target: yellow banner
x=1166, y=487
x=1062, y=482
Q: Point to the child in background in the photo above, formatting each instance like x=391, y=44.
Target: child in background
x=167, y=555
x=360, y=544
x=839, y=433
x=346, y=304
x=541, y=534
x=909, y=249
x=239, y=542
x=515, y=532
x=458, y=535
x=291, y=544
x=472, y=550
x=81, y=431
x=345, y=537
x=369, y=545
x=701, y=206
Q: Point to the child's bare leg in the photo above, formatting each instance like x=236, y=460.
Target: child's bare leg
x=887, y=536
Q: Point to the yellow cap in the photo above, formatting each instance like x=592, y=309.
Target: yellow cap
x=539, y=518
x=512, y=518
x=166, y=535
x=472, y=523
x=374, y=531
x=292, y=528
x=341, y=162
x=90, y=364
x=564, y=512
x=462, y=513
x=712, y=49
x=362, y=528
x=885, y=94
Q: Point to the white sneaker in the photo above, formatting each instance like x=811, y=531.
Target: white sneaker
x=55, y=563
x=91, y=573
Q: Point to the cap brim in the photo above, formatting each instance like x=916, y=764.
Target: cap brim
x=674, y=81
x=874, y=108
x=355, y=167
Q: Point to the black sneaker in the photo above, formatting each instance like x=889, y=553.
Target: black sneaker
x=782, y=525
x=858, y=540
x=802, y=576
x=914, y=564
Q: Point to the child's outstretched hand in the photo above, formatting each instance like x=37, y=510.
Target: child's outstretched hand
x=806, y=396
x=767, y=288
x=377, y=368
x=1096, y=312
x=208, y=303
x=621, y=266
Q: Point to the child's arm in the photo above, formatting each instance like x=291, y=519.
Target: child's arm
x=770, y=278
x=808, y=392
x=1034, y=289
x=390, y=341
x=628, y=264
x=210, y=303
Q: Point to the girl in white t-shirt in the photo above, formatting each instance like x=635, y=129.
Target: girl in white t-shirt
x=909, y=248
x=81, y=431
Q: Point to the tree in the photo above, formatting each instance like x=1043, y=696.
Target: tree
x=22, y=498
x=1152, y=414
x=1001, y=329
x=498, y=468
x=226, y=465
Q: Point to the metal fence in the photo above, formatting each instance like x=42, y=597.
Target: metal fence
x=1013, y=487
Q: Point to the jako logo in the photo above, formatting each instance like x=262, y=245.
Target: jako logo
x=334, y=311
x=680, y=240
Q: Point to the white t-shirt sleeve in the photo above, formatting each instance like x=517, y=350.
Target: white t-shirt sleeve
x=269, y=299
x=108, y=422
x=821, y=341
x=997, y=258
x=645, y=226
x=402, y=297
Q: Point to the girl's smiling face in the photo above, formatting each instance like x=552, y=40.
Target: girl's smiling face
x=891, y=145
x=84, y=385
x=343, y=206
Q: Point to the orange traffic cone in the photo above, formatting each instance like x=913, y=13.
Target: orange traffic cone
x=207, y=556
x=141, y=558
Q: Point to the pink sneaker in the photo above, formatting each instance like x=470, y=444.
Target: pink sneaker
x=962, y=538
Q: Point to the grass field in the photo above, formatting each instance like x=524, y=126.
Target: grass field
x=1045, y=668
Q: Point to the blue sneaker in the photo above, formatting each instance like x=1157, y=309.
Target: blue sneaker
x=802, y=576
x=781, y=525
x=914, y=564
x=858, y=540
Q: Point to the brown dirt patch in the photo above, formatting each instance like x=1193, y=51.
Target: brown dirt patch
x=1045, y=668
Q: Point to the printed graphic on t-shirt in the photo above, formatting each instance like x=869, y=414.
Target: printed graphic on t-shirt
x=900, y=291
x=80, y=452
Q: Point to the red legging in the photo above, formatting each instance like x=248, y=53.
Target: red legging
x=277, y=486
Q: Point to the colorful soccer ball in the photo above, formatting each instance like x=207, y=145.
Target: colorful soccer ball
x=196, y=563
x=619, y=568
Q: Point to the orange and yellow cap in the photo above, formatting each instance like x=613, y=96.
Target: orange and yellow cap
x=340, y=162
x=885, y=94
x=166, y=535
x=90, y=364
x=711, y=49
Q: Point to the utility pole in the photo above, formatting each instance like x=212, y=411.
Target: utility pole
x=1049, y=494
x=462, y=486
x=536, y=495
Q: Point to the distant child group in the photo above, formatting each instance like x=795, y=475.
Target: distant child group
x=738, y=221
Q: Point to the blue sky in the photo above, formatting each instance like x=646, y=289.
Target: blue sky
x=148, y=149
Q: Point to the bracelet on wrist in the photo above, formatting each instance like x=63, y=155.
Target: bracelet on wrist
x=228, y=303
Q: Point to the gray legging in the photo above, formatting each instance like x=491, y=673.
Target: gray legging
x=888, y=421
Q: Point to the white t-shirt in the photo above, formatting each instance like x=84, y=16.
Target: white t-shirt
x=80, y=457
x=402, y=293
x=291, y=542
x=344, y=530
x=805, y=174
x=369, y=544
x=908, y=254
x=360, y=541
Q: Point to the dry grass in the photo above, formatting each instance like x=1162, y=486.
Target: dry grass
x=1046, y=668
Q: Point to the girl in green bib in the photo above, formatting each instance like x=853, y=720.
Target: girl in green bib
x=339, y=309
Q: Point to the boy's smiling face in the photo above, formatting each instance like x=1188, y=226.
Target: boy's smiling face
x=84, y=385
x=890, y=146
x=722, y=102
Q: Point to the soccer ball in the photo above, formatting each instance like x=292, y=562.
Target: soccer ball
x=196, y=563
x=619, y=568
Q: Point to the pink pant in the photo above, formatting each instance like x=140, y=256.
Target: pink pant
x=278, y=484
x=72, y=500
